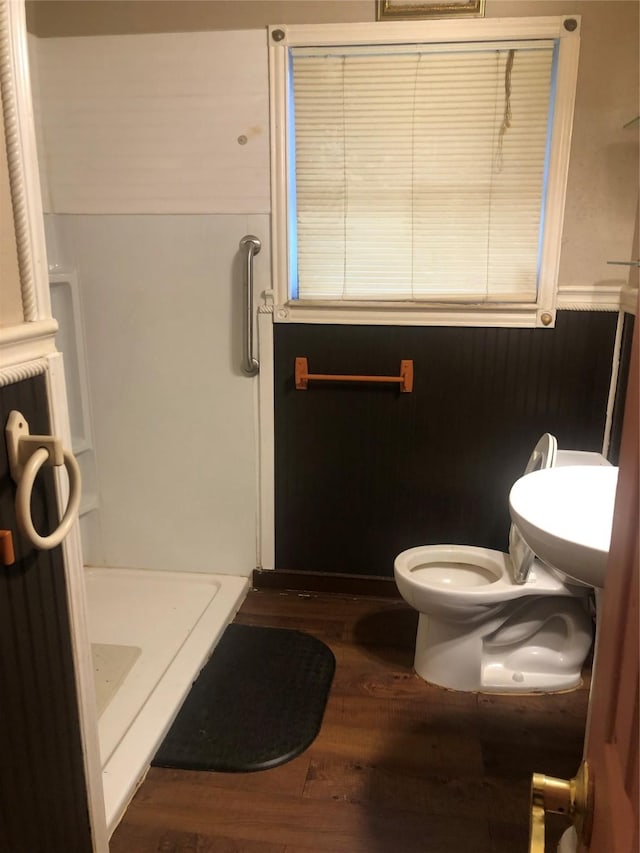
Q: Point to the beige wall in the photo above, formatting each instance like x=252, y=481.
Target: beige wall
x=104, y=17
x=10, y=297
x=602, y=191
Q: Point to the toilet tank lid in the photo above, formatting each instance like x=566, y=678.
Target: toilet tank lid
x=543, y=454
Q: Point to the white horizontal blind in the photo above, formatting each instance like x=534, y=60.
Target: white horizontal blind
x=420, y=175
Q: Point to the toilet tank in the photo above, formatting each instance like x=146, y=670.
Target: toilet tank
x=579, y=457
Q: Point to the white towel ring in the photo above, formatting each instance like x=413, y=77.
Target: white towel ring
x=23, y=499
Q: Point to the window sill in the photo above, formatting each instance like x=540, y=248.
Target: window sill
x=607, y=297
x=508, y=316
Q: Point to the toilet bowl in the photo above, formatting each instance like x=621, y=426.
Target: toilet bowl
x=496, y=622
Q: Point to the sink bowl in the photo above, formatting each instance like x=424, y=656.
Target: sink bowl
x=565, y=515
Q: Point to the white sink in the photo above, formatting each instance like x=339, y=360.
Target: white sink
x=565, y=515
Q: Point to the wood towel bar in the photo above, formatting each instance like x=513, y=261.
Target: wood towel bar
x=405, y=380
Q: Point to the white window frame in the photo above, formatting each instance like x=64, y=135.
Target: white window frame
x=531, y=314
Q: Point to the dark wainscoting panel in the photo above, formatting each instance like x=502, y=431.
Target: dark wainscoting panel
x=363, y=471
x=43, y=803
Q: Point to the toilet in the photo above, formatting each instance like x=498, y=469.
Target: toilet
x=498, y=622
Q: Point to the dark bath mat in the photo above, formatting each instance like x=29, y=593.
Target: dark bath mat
x=257, y=703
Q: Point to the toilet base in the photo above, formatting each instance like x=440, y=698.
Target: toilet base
x=488, y=659
x=447, y=655
x=498, y=679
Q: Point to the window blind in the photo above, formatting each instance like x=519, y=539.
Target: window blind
x=420, y=175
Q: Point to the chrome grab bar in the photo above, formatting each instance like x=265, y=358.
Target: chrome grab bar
x=252, y=246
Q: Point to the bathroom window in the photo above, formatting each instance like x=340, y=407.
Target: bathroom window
x=419, y=171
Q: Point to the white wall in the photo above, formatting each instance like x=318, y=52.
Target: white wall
x=173, y=417
x=138, y=141
x=150, y=123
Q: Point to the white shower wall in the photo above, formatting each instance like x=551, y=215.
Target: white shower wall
x=158, y=123
x=173, y=417
x=154, y=157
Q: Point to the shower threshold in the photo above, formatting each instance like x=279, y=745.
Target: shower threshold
x=173, y=620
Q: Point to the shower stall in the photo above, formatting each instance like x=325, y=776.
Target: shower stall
x=162, y=425
x=147, y=196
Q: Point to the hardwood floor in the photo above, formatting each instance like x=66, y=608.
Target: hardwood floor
x=399, y=765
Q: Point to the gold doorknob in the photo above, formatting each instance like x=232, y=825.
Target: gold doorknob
x=572, y=797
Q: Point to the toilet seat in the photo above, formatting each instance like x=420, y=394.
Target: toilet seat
x=454, y=571
x=543, y=455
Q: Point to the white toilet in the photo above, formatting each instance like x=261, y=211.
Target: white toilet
x=495, y=622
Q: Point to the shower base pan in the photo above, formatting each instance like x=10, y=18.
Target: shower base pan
x=176, y=620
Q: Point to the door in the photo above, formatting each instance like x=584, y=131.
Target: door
x=612, y=736
x=611, y=747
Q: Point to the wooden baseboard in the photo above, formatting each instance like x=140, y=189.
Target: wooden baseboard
x=377, y=587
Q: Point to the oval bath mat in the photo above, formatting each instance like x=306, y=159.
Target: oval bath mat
x=257, y=703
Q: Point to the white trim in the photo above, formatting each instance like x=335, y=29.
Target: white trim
x=27, y=341
x=562, y=123
x=613, y=384
x=399, y=32
x=266, y=448
x=409, y=32
x=19, y=372
x=22, y=159
x=472, y=315
x=76, y=601
x=589, y=297
x=279, y=85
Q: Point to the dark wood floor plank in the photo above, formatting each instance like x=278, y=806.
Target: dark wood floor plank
x=327, y=629
x=136, y=838
x=571, y=705
x=288, y=779
x=381, y=786
x=398, y=765
x=323, y=825
x=544, y=731
x=370, y=621
x=441, y=750
x=380, y=673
